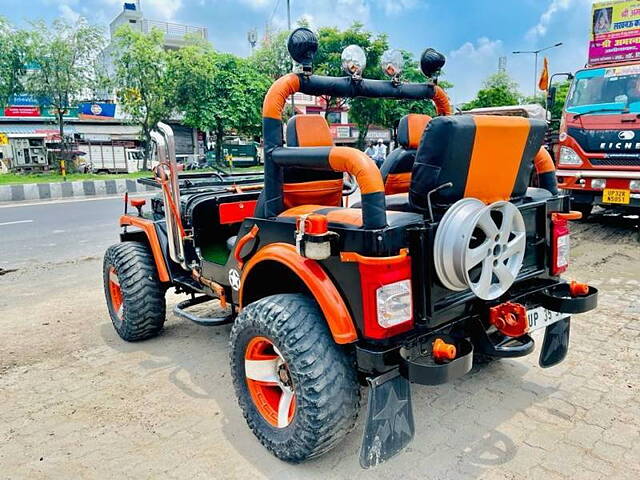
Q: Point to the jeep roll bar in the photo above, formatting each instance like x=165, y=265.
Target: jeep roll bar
x=166, y=151
x=339, y=159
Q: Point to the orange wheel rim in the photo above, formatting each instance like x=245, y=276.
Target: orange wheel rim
x=269, y=382
x=115, y=294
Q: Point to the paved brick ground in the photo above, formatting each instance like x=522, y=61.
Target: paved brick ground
x=76, y=402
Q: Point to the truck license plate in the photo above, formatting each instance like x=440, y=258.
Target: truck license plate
x=616, y=195
x=541, y=317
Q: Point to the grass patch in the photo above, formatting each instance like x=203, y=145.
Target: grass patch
x=53, y=177
x=19, y=178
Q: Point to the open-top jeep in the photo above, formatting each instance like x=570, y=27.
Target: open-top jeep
x=448, y=256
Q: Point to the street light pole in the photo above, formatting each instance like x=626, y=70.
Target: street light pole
x=535, y=69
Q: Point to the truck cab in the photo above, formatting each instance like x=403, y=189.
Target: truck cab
x=598, y=155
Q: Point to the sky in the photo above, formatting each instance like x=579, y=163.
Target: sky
x=472, y=34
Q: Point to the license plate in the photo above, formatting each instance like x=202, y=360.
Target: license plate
x=616, y=195
x=541, y=317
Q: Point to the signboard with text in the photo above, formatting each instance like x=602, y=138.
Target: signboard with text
x=97, y=111
x=21, y=111
x=615, y=32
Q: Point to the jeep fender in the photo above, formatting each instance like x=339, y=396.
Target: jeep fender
x=149, y=229
x=317, y=282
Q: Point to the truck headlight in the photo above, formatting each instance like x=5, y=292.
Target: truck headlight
x=598, y=183
x=568, y=156
x=634, y=185
x=394, y=303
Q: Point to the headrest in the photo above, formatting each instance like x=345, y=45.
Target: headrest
x=410, y=130
x=308, y=131
x=486, y=157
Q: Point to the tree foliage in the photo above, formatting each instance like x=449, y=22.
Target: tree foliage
x=498, y=90
x=64, y=58
x=217, y=92
x=272, y=58
x=141, y=79
x=14, y=55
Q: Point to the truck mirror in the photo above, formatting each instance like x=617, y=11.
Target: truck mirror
x=551, y=97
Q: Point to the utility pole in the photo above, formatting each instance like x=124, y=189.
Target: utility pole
x=535, y=70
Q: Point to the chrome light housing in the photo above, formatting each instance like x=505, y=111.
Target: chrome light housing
x=354, y=60
x=392, y=63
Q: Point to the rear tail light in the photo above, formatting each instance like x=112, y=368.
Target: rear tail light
x=560, y=244
x=387, y=305
x=393, y=303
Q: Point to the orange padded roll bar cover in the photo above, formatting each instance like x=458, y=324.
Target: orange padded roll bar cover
x=441, y=101
x=358, y=164
x=277, y=95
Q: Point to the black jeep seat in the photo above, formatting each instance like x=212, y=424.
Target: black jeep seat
x=396, y=168
x=486, y=157
x=304, y=186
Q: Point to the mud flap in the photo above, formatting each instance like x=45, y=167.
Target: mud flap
x=389, y=426
x=556, y=343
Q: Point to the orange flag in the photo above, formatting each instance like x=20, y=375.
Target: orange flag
x=543, y=83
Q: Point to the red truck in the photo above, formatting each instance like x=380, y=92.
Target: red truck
x=598, y=155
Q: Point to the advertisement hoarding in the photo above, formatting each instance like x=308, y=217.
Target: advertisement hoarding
x=615, y=32
x=22, y=111
x=97, y=111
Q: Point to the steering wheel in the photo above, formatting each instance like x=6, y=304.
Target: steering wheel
x=350, y=185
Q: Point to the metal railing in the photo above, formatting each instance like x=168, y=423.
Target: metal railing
x=174, y=30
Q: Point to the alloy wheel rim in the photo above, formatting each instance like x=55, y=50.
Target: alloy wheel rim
x=480, y=247
x=269, y=382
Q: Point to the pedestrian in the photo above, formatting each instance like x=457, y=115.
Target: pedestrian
x=380, y=152
x=370, y=150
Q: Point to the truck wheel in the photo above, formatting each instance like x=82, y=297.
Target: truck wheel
x=297, y=388
x=135, y=296
x=584, y=208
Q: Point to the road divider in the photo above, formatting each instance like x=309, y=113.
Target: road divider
x=54, y=191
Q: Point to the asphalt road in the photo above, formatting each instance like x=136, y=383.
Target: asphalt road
x=57, y=231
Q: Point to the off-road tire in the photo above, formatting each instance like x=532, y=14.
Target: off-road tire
x=143, y=302
x=323, y=374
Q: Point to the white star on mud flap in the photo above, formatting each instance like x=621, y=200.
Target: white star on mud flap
x=234, y=279
x=393, y=417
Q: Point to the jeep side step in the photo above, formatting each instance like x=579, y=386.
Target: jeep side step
x=180, y=311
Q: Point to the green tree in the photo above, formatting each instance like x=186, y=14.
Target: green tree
x=63, y=55
x=14, y=55
x=217, y=92
x=141, y=79
x=498, y=90
x=272, y=58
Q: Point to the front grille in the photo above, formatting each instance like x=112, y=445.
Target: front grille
x=616, y=162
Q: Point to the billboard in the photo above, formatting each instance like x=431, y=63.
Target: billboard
x=615, y=32
x=22, y=111
x=97, y=111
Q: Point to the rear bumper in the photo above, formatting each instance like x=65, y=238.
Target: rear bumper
x=412, y=356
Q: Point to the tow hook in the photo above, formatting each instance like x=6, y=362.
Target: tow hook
x=510, y=318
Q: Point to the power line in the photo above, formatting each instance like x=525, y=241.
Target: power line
x=274, y=11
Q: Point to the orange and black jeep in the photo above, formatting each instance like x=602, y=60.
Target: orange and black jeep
x=448, y=258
